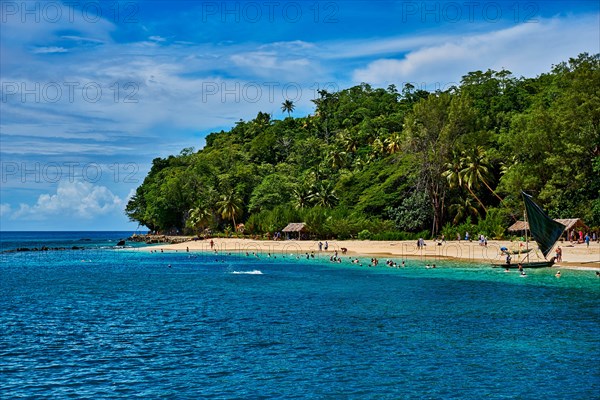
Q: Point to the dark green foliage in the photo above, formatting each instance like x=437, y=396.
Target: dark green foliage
x=375, y=162
x=413, y=214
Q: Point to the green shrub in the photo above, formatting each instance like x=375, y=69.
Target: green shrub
x=364, y=235
x=450, y=231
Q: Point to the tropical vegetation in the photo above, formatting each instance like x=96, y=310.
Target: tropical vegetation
x=388, y=164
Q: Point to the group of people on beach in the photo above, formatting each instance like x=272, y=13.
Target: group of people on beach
x=579, y=237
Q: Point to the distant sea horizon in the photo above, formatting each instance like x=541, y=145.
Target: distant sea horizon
x=70, y=230
x=11, y=240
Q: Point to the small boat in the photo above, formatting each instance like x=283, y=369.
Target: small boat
x=520, y=251
x=545, y=232
x=530, y=264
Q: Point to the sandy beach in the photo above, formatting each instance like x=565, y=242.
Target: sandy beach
x=577, y=256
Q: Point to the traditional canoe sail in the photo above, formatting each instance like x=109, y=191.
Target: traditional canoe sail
x=544, y=229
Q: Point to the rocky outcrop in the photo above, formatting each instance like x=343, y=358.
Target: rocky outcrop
x=43, y=248
x=153, y=239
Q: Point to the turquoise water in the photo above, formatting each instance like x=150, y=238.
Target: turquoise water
x=103, y=323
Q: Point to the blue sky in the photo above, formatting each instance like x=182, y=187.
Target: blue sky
x=92, y=91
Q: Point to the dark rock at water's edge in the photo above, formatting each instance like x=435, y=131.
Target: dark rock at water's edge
x=154, y=239
x=43, y=248
x=121, y=243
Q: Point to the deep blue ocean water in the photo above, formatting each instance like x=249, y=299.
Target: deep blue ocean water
x=105, y=323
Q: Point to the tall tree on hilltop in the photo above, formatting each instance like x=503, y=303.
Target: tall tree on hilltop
x=288, y=106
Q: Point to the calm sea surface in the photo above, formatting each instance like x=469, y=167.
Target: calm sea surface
x=105, y=323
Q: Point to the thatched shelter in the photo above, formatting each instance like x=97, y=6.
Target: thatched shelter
x=519, y=226
x=299, y=227
x=573, y=223
x=569, y=223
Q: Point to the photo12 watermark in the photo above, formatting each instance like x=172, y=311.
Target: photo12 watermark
x=69, y=12
x=253, y=92
x=71, y=92
x=468, y=11
x=326, y=12
x=54, y=172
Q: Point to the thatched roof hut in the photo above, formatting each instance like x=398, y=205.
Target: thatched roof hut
x=573, y=223
x=518, y=226
x=299, y=227
x=569, y=223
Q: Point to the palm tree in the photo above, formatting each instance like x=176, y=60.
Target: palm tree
x=377, y=147
x=302, y=196
x=349, y=142
x=452, y=173
x=460, y=175
x=229, y=206
x=323, y=194
x=393, y=143
x=336, y=158
x=288, y=106
x=198, y=218
x=476, y=169
x=463, y=209
x=285, y=143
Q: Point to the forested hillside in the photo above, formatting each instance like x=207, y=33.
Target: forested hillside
x=382, y=163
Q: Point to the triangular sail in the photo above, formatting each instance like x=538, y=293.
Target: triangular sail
x=544, y=229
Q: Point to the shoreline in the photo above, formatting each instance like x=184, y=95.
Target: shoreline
x=575, y=256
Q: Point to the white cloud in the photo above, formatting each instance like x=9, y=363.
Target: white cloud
x=50, y=50
x=526, y=49
x=157, y=39
x=72, y=199
x=377, y=47
x=269, y=64
x=81, y=39
x=4, y=209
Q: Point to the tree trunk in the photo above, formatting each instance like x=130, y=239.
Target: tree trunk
x=477, y=198
x=494, y=193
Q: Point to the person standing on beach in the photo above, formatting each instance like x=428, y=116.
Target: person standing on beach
x=587, y=239
x=320, y=246
x=326, y=245
x=558, y=254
